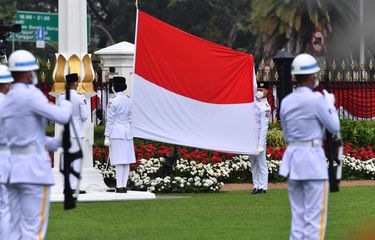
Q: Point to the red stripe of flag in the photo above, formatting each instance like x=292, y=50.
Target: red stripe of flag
x=191, y=66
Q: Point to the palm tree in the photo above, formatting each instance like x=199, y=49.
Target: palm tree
x=289, y=23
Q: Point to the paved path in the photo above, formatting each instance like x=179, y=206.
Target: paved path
x=248, y=186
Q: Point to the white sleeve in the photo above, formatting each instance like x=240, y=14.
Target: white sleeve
x=283, y=123
x=110, y=118
x=83, y=110
x=264, y=122
x=56, y=113
x=328, y=116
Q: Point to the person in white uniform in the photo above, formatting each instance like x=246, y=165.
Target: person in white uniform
x=24, y=113
x=79, y=117
x=259, y=168
x=5, y=81
x=119, y=135
x=305, y=115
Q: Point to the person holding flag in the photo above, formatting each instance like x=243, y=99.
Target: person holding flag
x=259, y=168
x=24, y=113
x=119, y=134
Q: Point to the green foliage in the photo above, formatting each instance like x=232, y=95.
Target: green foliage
x=360, y=133
x=50, y=131
x=275, y=138
x=99, y=136
x=8, y=10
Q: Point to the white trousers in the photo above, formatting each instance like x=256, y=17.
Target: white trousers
x=122, y=175
x=259, y=170
x=4, y=213
x=308, y=202
x=29, y=207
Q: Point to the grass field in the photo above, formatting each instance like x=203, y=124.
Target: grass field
x=229, y=215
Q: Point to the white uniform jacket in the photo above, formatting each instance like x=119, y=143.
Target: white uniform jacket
x=4, y=150
x=118, y=122
x=304, y=116
x=24, y=113
x=262, y=119
x=80, y=113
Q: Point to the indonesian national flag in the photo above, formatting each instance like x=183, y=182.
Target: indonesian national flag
x=192, y=92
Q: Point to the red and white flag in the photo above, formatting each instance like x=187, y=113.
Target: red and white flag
x=191, y=92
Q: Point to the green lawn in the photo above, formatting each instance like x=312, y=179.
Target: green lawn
x=230, y=215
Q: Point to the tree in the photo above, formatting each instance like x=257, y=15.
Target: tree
x=220, y=21
x=289, y=24
x=7, y=10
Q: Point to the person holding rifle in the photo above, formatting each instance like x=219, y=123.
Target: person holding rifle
x=24, y=113
x=305, y=115
x=5, y=82
x=79, y=117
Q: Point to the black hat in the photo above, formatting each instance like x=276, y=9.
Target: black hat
x=71, y=78
x=119, y=84
x=263, y=84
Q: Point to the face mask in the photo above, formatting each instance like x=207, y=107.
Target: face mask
x=260, y=95
x=316, y=83
x=34, y=78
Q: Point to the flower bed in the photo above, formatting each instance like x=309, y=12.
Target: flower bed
x=207, y=171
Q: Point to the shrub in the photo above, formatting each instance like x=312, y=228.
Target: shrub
x=275, y=138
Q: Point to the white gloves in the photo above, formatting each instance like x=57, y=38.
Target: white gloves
x=52, y=143
x=260, y=149
x=106, y=141
x=330, y=98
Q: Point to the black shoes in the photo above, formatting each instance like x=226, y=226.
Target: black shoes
x=118, y=190
x=261, y=191
x=258, y=191
x=121, y=190
x=80, y=191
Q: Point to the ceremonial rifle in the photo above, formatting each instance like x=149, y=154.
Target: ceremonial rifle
x=334, y=150
x=66, y=168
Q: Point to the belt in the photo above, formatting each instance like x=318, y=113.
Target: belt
x=4, y=148
x=30, y=149
x=312, y=143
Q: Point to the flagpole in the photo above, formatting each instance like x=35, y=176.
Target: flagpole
x=135, y=47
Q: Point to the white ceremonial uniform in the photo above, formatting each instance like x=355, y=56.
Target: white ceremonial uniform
x=259, y=168
x=24, y=113
x=119, y=130
x=304, y=116
x=4, y=171
x=79, y=117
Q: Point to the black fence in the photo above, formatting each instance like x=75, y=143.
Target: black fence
x=352, y=84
